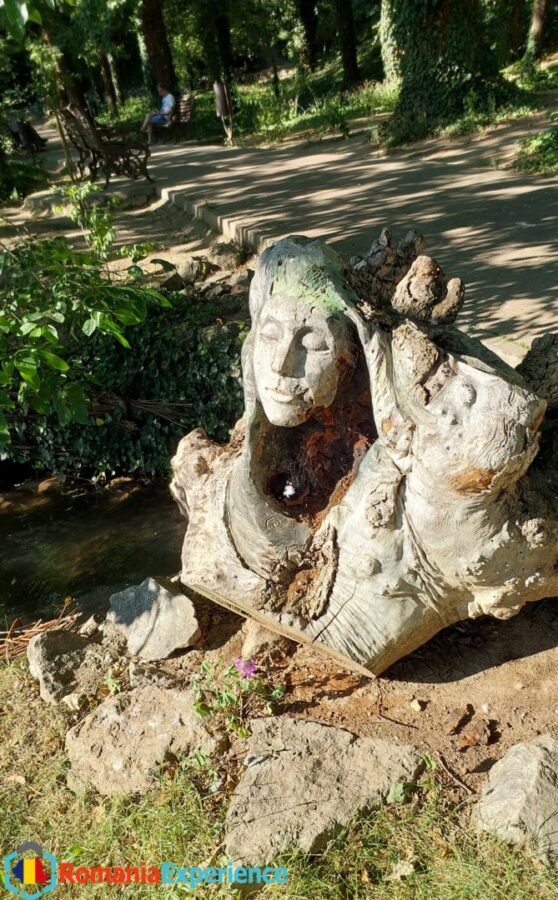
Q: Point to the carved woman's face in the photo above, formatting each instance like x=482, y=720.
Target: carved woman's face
x=297, y=359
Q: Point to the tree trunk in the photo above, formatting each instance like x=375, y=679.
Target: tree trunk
x=347, y=41
x=148, y=77
x=390, y=52
x=108, y=86
x=114, y=78
x=156, y=43
x=536, y=31
x=222, y=27
x=309, y=19
x=446, y=64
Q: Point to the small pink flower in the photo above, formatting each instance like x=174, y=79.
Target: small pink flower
x=246, y=667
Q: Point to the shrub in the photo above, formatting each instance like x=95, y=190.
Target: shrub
x=181, y=371
x=539, y=153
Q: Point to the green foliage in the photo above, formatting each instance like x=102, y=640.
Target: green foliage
x=95, y=220
x=53, y=297
x=225, y=695
x=18, y=177
x=539, y=154
x=181, y=372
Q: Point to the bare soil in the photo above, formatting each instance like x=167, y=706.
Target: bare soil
x=465, y=697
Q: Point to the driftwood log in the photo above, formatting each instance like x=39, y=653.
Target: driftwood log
x=390, y=475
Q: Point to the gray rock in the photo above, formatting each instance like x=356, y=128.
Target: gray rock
x=259, y=641
x=520, y=802
x=303, y=781
x=66, y=663
x=119, y=747
x=194, y=268
x=226, y=255
x=155, y=618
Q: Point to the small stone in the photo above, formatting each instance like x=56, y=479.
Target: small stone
x=304, y=782
x=518, y=686
x=194, y=268
x=485, y=708
x=417, y=705
x=520, y=802
x=226, y=255
x=121, y=746
x=477, y=734
x=155, y=618
x=90, y=627
x=458, y=718
x=72, y=701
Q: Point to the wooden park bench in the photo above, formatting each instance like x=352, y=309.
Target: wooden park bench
x=113, y=152
x=181, y=116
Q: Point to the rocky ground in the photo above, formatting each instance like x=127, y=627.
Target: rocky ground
x=472, y=703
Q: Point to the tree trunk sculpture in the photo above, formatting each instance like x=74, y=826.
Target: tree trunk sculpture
x=390, y=475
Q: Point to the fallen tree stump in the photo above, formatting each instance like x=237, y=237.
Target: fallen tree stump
x=390, y=475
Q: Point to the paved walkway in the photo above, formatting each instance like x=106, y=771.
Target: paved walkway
x=493, y=227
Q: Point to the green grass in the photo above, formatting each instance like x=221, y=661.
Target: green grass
x=539, y=154
x=180, y=822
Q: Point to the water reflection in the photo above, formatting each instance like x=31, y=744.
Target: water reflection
x=54, y=544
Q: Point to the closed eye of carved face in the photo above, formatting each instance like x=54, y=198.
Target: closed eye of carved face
x=296, y=354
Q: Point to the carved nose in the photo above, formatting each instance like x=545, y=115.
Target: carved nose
x=284, y=360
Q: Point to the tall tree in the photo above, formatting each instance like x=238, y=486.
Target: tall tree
x=222, y=30
x=214, y=29
x=157, y=45
x=309, y=18
x=536, y=30
x=446, y=64
x=347, y=40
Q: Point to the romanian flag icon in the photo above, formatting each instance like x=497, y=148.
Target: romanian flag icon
x=30, y=871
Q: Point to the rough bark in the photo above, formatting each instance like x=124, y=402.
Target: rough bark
x=108, y=85
x=390, y=476
x=536, y=30
x=223, y=39
x=156, y=43
x=347, y=42
x=308, y=17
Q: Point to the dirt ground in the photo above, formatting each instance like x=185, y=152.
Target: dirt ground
x=465, y=697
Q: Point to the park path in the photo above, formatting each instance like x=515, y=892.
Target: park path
x=495, y=228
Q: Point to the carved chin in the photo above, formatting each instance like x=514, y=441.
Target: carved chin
x=284, y=414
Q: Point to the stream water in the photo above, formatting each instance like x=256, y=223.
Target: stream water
x=55, y=544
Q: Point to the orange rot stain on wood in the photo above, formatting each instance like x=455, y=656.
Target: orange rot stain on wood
x=471, y=481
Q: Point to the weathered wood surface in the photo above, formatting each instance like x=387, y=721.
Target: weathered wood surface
x=387, y=478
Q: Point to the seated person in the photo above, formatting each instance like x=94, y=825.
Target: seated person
x=162, y=117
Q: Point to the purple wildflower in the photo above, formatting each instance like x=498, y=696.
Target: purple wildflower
x=246, y=667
